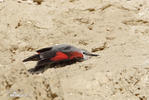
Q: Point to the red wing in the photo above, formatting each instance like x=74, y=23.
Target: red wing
x=59, y=57
x=62, y=56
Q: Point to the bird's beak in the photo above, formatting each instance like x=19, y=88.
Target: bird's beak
x=90, y=54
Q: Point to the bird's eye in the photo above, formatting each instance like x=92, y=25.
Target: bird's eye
x=84, y=53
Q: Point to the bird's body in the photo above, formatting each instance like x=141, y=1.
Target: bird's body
x=57, y=54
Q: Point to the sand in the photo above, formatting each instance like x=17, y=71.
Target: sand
x=117, y=30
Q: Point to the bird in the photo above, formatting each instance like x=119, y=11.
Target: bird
x=57, y=54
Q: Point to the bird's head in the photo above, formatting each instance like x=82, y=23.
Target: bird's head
x=87, y=54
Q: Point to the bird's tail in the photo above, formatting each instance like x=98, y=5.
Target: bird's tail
x=35, y=57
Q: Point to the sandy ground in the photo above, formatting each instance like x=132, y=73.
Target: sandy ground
x=117, y=30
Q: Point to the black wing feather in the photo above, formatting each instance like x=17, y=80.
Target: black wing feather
x=43, y=62
x=35, y=57
x=44, y=50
